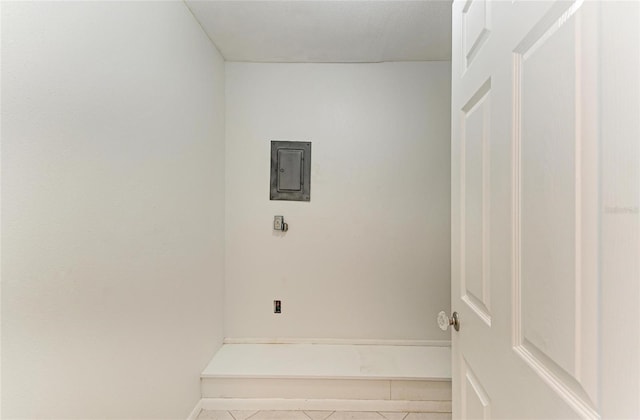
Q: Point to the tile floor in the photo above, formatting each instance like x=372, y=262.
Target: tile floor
x=318, y=415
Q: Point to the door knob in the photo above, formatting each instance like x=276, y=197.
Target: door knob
x=444, y=321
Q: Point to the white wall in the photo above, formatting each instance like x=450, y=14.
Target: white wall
x=113, y=196
x=368, y=257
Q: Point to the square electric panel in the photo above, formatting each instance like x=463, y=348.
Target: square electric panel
x=291, y=170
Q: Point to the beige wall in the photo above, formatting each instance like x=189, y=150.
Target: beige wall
x=112, y=209
x=368, y=257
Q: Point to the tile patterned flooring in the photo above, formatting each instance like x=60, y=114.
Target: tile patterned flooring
x=318, y=415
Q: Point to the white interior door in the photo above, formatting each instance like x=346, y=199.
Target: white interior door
x=545, y=189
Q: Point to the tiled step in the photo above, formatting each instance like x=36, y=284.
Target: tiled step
x=325, y=371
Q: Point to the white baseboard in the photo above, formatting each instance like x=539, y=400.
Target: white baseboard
x=322, y=405
x=196, y=411
x=342, y=341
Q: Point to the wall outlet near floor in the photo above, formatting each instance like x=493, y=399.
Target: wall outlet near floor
x=277, y=307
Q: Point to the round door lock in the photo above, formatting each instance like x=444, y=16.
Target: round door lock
x=444, y=321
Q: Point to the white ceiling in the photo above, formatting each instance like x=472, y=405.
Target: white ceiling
x=327, y=31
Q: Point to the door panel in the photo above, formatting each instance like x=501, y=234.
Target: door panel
x=476, y=27
x=556, y=235
x=533, y=191
x=475, y=202
x=475, y=401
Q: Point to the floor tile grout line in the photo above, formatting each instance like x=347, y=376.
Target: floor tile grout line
x=246, y=418
x=405, y=415
x=326, y=418
x=253, y=414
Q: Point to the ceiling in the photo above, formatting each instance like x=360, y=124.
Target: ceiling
x=327, y=31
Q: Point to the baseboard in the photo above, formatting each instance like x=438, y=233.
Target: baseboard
x=322, y=405
x=196, y=411
x=339, y=341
